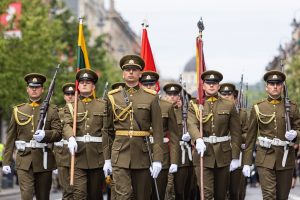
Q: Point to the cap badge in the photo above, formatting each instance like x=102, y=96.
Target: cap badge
x=34, y=80
x=131, y=62
x=172, y=88
x=275, y=76
x=148, y=77
x=71, y=88
x=211, y=76
x=226, y=88
x=85, y=75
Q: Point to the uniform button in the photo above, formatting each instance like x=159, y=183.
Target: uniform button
x=87, y=118
x=87, y=125
x=32, y=131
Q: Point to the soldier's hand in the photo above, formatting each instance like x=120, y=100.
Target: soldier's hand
x=200, y=146
x=107, y=169
x=186, y=137
x=72, y=145
x=173, y=168
x=290, y=135
x=39, y=135
x=155, y=169
x=246, y=170
x=235, y=163
x=6, y=169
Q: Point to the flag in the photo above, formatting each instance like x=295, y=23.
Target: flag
x=82, y=54
x=10, y=21
x=146, y=54
x=200, y=67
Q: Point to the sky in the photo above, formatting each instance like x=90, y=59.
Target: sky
x=240, y=36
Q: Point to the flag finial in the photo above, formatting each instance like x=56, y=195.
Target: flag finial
x=200, y=25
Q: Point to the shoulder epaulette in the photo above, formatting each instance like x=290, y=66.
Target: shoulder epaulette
x=21, y=104
x=100, y=99
x=150, y=91
x=60, y=108
x=260, y=101
x=114, y=91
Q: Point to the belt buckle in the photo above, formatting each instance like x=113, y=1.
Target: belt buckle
x=33, y=144
x=130, y=133
x=276, y=141
x=87, y=138
x=213, y=139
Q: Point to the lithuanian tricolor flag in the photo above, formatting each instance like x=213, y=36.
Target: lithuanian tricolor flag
x=82, y=54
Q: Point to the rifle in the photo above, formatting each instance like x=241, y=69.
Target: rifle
x=184, y=108
x=43, y=112
x=105, y=90
x=240, y=96
x=46, y=102
x=246, y=98
x=287, y=108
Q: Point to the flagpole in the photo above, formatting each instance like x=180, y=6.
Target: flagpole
x=200, y=98
x=72, y=165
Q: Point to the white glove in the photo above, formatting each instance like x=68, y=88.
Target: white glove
x=200, y=146
x=186, y=137
x=72, y=145
x=107, y=168
x=246, y=170
x=173, y=168
x=6, y=169
x=290, y=135
x=39, y=135
x=243, y=146
x=55, y=171
x=234, y=164
x=155, y=169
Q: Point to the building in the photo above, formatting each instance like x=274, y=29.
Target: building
x=119, y=39
x=189, y=77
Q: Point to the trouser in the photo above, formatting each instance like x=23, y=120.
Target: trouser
x=275, y=184
x=132, y=183
x=161, y=181
x=235, y=184
x=183, y=182
x=88, y=184
x=34, y=183
x=243, y=187
x=170, y=193
x=64, y=179
x=216, y=181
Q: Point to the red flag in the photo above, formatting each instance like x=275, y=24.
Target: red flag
x=146, y=54
x=200, y=67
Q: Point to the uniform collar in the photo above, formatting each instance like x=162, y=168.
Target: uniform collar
x=35, y=103
x=273, y=100
x=211, y=98
x=132, y=90
x=86, y=99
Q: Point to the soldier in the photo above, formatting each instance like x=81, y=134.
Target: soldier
x=117, y=85
x=275, y=156
x=34, y=160
x=228, y=91
x=183, y=177
x=61, y=151
x=87, y=144
x=131, y=111
x=171, y=136
x=221, y=134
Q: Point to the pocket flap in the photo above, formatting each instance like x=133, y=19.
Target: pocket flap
x=143, y=106
x=223, y=112
x=116, y=146
x=98, y=113
x=225, y=146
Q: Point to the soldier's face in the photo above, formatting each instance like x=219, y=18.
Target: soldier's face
x=132, y=75
x=35, y=92
x=149, y=86
x=174, y=98
x=274, y=89
x=211, y=89
x=228, y=96
x=69, y=98
x=86, y=88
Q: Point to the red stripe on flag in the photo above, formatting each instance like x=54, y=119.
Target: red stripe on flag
x=200, y=68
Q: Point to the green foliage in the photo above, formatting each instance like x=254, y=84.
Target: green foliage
x=293, y=78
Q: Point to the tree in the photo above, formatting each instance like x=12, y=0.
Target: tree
x=293, y=77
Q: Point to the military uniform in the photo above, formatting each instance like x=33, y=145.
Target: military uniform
x=222, y=137
x=183, y=178
x=171, y=137
x=128, y=124
x=88, y=174
x=267, y=125
x=61, y=151
x=34, y=160
x=117, y=85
